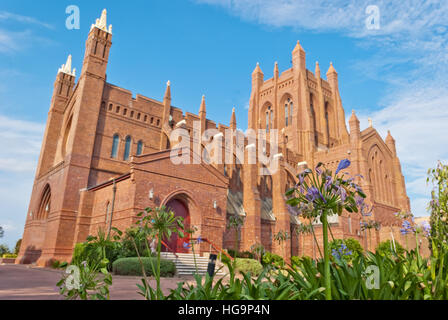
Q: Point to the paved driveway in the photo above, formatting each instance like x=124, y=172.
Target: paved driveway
x=19, y=282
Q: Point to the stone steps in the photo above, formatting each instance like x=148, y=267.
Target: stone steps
x=185, y=263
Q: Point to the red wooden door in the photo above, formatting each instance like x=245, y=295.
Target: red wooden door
x=176, y=243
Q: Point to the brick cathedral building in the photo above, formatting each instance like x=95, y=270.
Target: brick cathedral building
x=105, y=157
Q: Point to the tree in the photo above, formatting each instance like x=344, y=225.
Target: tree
x=3, y=250
x=17, y=247
x=439, y=207
x=1, y=232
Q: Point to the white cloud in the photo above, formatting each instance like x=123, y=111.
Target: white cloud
x=410, y=55
x=4, y=15
x=12, y=40
x=418, y=121
x=20, y=143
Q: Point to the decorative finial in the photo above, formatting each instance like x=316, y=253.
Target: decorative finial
x=168, y=83
x=67, y=67
x=101, y=23
x=370, y=123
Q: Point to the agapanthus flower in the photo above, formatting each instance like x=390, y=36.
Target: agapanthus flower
x=186, y=245
x=342, y=194
x=328, y=182
x=343, y=164
x=199, y=240
x=359, y=200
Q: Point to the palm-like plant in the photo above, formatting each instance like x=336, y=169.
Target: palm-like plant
x=321, y=194
x=159, y=223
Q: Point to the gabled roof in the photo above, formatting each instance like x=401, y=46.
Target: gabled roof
x=152, y=162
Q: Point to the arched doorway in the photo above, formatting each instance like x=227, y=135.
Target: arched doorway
x=176, y=243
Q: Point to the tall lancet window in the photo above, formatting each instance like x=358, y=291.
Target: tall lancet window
x=288, y=112
x=127, y=148
x=313, y=118
x=267, y=121
x=139, y=147
x=327, y=123
x=115, y=142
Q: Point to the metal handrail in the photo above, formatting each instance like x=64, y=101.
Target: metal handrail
x=168, y=247
x=214, y=247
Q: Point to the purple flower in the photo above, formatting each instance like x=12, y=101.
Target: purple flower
x=343, y=165
x=199, y=240
x=343, y=194
x=314, y=194
x=359, y=200
x=328, y=182
x=186, y=245
x=426, y=229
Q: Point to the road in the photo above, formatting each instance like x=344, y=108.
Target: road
x=20, y=282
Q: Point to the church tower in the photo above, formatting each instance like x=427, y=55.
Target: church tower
x=67, y=150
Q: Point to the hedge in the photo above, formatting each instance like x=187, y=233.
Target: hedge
x=248, y=265
x=132, y=267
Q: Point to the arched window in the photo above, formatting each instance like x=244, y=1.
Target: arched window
x=313, y=119
x=139, y=147
x=115, y=142
x=66, y=136
x=269, y=119
x=45, y=204
x=267, y=122
x=127, y=148
x=288, y=111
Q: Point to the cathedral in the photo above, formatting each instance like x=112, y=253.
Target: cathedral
x=106, y=156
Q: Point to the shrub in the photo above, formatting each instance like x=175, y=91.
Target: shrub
x=245, y=254
x=295, y=261
x=132, y=267
x=91, y=252
x=273, y=259
x=127, y=243
x=9, y=256
x=347, y=249
x=245, y=265
x=386, y=248
x=56, y=264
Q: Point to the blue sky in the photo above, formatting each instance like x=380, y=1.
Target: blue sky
x=396, y=75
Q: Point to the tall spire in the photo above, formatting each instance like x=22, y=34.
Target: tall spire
x=276, y=69
x=67, y=67
x=168, y=90
x=390, y=142
x=298, y=47
x=331, y=70
x=317, y=71
x=202, y=108
x=354, y=122
x=299, y=58
x=101, y=23
x=233, y=120
x=257, y=69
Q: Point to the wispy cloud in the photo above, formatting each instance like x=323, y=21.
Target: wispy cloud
x=411, y=56
x=5, y=16
x=20, y=143
x=12, y=40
